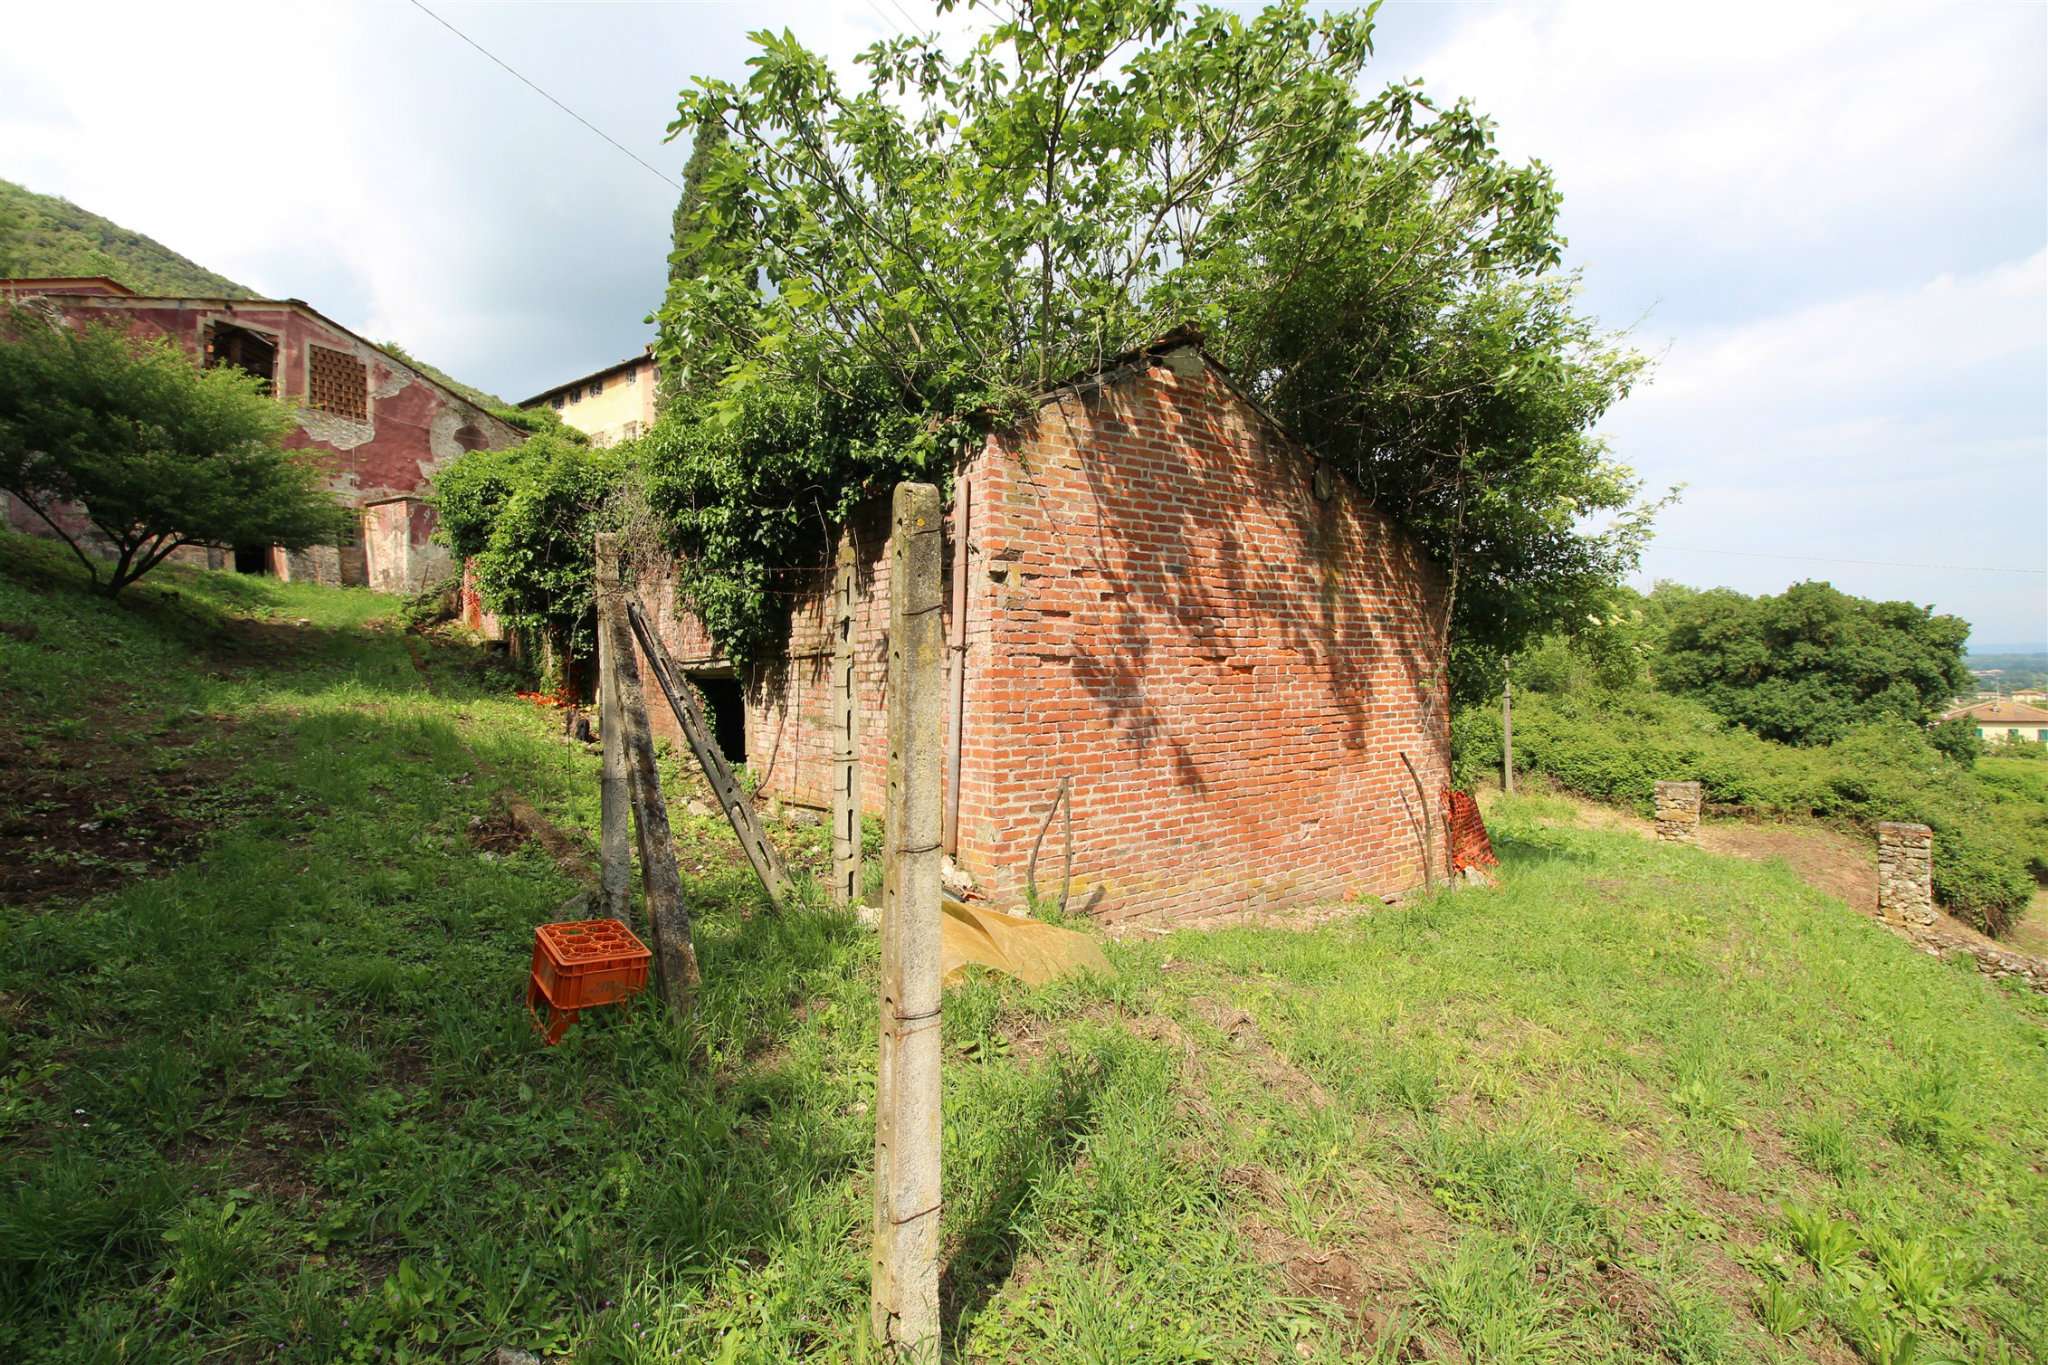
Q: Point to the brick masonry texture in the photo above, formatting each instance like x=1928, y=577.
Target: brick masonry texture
x=1905, y=873
x=1678, y=812
x=1470, y=846
x=1161, y=606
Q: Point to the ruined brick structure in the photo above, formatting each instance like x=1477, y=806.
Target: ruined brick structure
x=1236, y=660
x=1905, y=873
x=1678, y=812
x=379, y=427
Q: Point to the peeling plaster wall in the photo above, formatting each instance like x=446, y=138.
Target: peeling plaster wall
x=413, y=426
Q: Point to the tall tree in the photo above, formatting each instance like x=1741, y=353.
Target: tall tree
x=1805, y=666
x=711, y=268
x=156, y=452
x=957, y=233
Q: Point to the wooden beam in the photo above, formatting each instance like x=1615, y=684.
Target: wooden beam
x=846, y=831
x=675, y=952
x=615, y=837
x=738, y=809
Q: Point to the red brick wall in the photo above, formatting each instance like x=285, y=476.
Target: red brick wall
x=412, y=427
x=789, y=744
x=1160, y=607
x=1228, y=666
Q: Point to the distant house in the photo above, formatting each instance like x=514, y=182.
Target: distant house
x=379, y=427
x=614, y=404
x=2005, y=719
x=2032, y=696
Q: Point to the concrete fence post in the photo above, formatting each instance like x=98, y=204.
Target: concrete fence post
x=615, y=836
x=1678, y=812
x=1507, y=734
x=845, y=735
x=1905, y=873
x=904, y=1301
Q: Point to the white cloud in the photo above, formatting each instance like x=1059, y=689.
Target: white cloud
x=1837, y=366
x=1725, y=128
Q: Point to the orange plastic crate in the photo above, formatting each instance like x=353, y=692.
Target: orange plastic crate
x=581, y=963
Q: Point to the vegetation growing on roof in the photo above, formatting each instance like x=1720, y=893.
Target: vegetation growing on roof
x=489, y=402
x=929, y=246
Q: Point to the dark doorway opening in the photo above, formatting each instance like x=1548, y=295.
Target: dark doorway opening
x=725, y=708
x=252, y=559
x=249, y=352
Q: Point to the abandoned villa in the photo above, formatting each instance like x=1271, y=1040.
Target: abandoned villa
x=380, y=427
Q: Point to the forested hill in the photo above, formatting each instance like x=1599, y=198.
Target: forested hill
x=44, y=235
x=41, y=234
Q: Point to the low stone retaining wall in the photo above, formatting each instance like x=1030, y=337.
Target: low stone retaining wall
x=1996, y=963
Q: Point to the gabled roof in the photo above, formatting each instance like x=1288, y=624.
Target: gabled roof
x=45, y=289
x=66, y=284
x=2001, y=713
x=628, y=363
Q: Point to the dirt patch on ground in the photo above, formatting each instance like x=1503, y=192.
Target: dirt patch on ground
x=1369, y=1275
x=1825, y=859
x=1264, y=1060
x=496, y=833
x=80, y=816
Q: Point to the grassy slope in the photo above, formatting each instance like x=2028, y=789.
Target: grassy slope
x=284, y=1097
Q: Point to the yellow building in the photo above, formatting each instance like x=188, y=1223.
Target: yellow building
x=2011, y=720
x=615, y=404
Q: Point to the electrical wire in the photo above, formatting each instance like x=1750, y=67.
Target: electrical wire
x=416, y=4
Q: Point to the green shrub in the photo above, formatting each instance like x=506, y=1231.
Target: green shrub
x=1990, y=827
x=525, y=516
x=436, y=602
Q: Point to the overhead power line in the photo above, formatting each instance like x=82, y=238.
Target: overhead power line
x=542, y=93
x=1866, y=563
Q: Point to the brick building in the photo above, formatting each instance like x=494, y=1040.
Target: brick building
x=379, y=426
x=1155, y=593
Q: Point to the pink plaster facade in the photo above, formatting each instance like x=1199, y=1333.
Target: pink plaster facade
x=408, y=425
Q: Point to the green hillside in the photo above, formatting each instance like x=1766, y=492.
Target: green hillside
x=43, y=235
x=268, y=1090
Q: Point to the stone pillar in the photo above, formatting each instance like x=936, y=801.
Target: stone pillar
x=1905, y=873
x=1678, y=812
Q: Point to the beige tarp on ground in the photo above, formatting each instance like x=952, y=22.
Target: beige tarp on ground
x=1030, y=950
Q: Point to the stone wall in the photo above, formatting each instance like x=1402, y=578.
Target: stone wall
x=1678, y=812
x=1905, y=873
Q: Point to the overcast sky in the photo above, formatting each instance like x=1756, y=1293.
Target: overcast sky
x=1827, y=224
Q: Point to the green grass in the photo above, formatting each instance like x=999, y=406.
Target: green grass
x=282, y=1100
